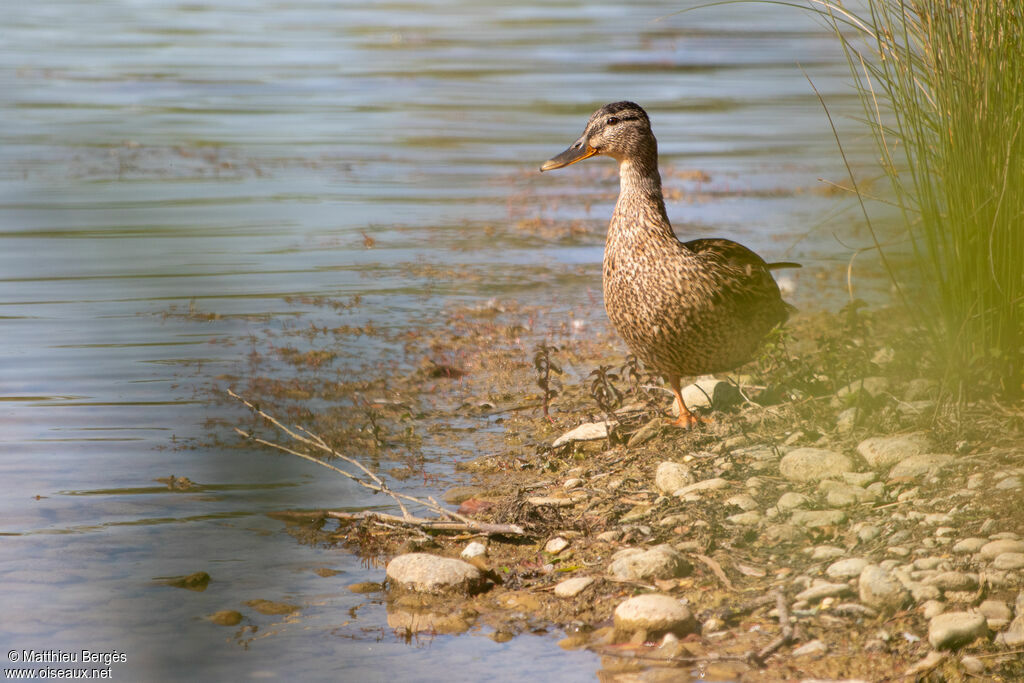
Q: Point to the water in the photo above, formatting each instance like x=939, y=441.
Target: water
x=229, y=154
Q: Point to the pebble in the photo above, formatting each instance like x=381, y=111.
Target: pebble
x=743, y=501
x=556, y=545
x=868, y=533
x=953, y=581
x=858, y=478
x=226, y=617
x=1010, y=483
x=824, y=590
x=885, y=451
x=827, y=552
x=993, y=549
x=972, y=665
x=880, y=590
x=474, y=549
x=932, y=608
x=655, y=614
x=919, y=465
x=929, y=662
x=750, y=518
x=711, y=393
x=588, y=431
x=427, y=573
x=791, y=500
x=706, y=485
x=841, y=494
x=647, y=432
x=783, y=533
x=872, y=385
x=815, y=519
x=813, y=464
x=572, y=587
x=920, y=388
x=927, y=562
x=996, y=612
x=814, y=648
x=846, y=420
x=952, y=629
x=572, y=483
x=672, y=476
x=846, y=569
x=1009, y=561
x=659, y=562
x=1014, y=635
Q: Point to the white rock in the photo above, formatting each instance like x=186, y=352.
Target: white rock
x=1008, y=561
x=880, y=590
x=572, y=587
x=919, y=465
x=659, y=562
x=952, y=629
x=815, y=519
x=827, y=552
x=745, y=518
x=710, y=393
x=813, y=464
x=743, y=501
x=672, y=476
x=994, y=549
x=932, y=608
x=587, y=431
x=656, y=614
x=846, y=569
x=474, y=549
x=953, y=581
x=968, y=545
x=556, y=545
x=706, y=485
x=885, y=451
x=814, y=648
x=427, y=573
x=791, y=500
x=824, y=590
x=995, y=611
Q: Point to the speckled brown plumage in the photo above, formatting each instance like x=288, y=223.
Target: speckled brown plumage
x=684, y=308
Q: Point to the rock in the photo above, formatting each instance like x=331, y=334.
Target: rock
x=972, y=665
x=932, y=608
x=365, y=587
x=993, y=549
x=874, y=386
x=610, y=536
x=659, y=562
x=823, y=553
x=880, y=590
x=457, y=495
x=672, y=476
x=791, y=500
x=846, y=569
x=969, y=545
x=846, y=420
x=226, y=617
x=824, y=590
x=814, y=648
x=1014, y=635
x=420, y=621
x=654, y=614
x=815, y=519
x=996, y=612
x=813, y=464
x=868, y=532
x=570, y=588
x=706, y=485
x=647, y=432
x=588, y=431
x=572, y=483
x=859, y=478
x=426, y=573
x=197, y=581
x=711, y=393
x=952, y=629
x=953, y=581
x=474, y=549
x=272, y=607
x=783, y=533
x=841, y=494
x=930, y=661
x=920, y=389
x=556, y=545
x=1009, y=484
x=745, y=518
x=743, y=501
x=1008, y=561
x=886, y=451
x=919, y=465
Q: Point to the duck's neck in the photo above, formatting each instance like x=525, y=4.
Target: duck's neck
x=641, y=206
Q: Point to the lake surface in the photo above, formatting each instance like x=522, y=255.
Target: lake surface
x=162, y=160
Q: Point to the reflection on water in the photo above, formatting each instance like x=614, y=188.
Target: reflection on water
x=178, y=180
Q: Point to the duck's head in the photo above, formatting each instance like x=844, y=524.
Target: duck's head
x=620, y=130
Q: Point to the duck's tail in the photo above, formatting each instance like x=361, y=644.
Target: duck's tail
x=782, y=264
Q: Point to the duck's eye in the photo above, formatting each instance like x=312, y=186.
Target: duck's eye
x=611, y=120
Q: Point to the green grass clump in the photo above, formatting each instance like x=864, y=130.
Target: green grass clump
x=942, y=87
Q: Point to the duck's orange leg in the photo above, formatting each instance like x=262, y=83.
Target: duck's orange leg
x=686, y=419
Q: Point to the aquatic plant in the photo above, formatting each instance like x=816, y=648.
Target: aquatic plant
x=545, y=366
x=942, y=88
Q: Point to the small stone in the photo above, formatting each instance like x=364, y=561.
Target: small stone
x=647, y=432
x=897, y=550
x=791, y=500
x=921, y=592
x=706, y=485
x=654, y=614
x=868, y=533
x=953, y=581
x=610, y=536
x=1014, y=635
x=874, y=386
x=272, y=607
x=993, y=549
x=672, y=476
x=549, y=501
x=841, y=494
x=474, y=549
x=1008, y=561
x=972, y=665
x=815, y=519
x=920, y=389
x=1009, y=484
x=743, y=501
x=783, y=533
x=932, y=608
x=813, y=464
x=460, y=494
x=926, y=563
x=886, y=451
x=824, y=590
x=572, y=483
x=846, y=420
x=226, y=617
x=364, y=587
x=846, y=569
x=859, y=478
x=814, y=648
x=920, y=465
x=952, y=629
x=996, y=612
x=930, y=661
x=711, y=393
x=588, y=431
x=880, y=590
x=570, y=588
x=556, y=545
x=659, y=562
x=425, y=573
x=823, y=553
x=745, y=518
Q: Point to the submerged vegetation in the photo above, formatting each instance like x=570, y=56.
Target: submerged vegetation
x=942, y=88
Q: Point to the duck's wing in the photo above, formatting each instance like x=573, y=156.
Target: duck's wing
x=741, y=276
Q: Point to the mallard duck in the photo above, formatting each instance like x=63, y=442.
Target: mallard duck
x=683, y=308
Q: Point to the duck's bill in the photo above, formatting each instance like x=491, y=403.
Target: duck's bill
x=569, y=156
